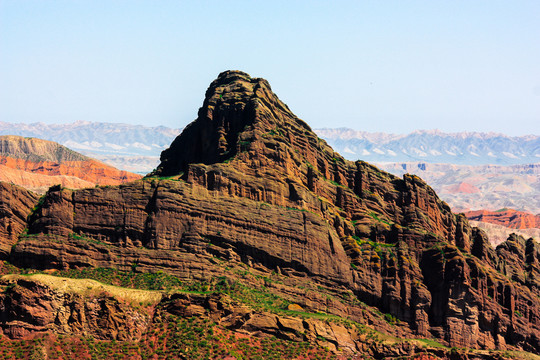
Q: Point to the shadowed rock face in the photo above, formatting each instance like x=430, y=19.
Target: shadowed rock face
x=250, y=182
x=15, y=205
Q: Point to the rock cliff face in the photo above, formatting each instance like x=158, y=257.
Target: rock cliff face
x=80, y=307
x=38, y=164
x=15, y=205
x=249, y=183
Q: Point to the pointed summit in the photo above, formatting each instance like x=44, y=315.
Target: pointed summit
x=262, y=195
x=237, y=110
x=245, y=138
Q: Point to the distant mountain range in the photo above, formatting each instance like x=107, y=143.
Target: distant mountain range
x=142, y=145
x=133, y=148
x=465, y=148
x=461, y=176
x=488, y=187
x=105, y=138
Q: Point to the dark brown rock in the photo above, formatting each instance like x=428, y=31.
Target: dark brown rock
x=250, y=183
x=15, y=206
x=28, y=306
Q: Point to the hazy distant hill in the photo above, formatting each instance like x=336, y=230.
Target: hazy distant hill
x=470, y=171
x=106, y=138
x=465, y=148
x=128, y=147
x=37, y=164
x=137, y=148
x=489, y=187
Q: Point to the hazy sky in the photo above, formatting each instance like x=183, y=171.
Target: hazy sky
x=392, y=66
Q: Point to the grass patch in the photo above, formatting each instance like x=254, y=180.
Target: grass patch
x=91, y=287
x=431, y=343
x=132, y=280
x=376, y=217
x=171, y=338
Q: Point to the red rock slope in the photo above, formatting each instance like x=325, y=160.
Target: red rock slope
x=506, y=217
x=38, y=164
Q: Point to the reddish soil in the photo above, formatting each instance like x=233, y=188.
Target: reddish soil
x=506, y=217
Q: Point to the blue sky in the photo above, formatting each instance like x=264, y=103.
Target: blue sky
x=391, y=66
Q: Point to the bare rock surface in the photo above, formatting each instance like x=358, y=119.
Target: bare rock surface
x=15, y=205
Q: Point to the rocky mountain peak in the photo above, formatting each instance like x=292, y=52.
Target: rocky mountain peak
x=259, y=191
x=238, y=110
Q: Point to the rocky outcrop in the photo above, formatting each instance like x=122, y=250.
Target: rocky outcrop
x=33, y=306
x=506, y=217
x=36, y=150
x=15, y=205
x=38, y=164
x=248, y=182
x=41, y=303
x=176, y=216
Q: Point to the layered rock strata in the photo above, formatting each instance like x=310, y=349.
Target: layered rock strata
x=38, y=164
x=248, y=182
x=16, y=204
x=506, y=217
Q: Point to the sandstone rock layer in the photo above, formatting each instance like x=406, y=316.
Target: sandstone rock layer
x=249, y=183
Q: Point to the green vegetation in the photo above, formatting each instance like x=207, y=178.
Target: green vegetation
x=7, y=268
x=195, y=338
x=374, y=244
x=256, y=298
x=177, y=177
x=37, y=207
x=376, y=217
x=84, y=238
x=391, y=319
x=172, y=338
x=133, y=280
x=383, y=250
x=431, y=343
x=334, y=182
x=77, y=237
x=244, y=144
x=338, y=160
